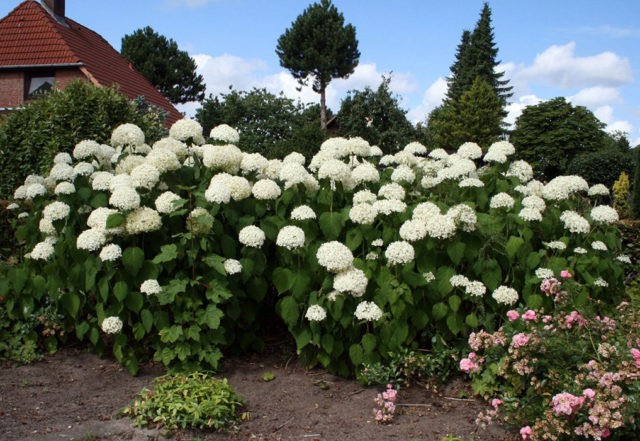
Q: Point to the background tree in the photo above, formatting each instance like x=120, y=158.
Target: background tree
x=170, y=70
x=31, y=136
x=272, y=125
x=377, y=117
x=319, y=45
x=477, y=116
x=550, y=134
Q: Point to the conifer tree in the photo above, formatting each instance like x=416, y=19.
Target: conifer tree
x=477, y=116
x=458, y=82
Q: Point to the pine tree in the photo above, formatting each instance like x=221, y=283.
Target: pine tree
x=483, y=52
x=477, y=116
x=461, y=69
x=319, y=45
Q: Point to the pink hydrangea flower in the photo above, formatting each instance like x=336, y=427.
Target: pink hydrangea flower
x=565, y=404
x=467, y=366
x=574, y=318
x=529, y=315
x=519, y=340
x=565, y=274
x=512, y=315
x=496, y=402
x=589, y=393
x=525, y=433
x=635, y=353
x=550, y=286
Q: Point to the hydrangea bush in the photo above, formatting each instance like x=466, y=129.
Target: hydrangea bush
x=184, y=247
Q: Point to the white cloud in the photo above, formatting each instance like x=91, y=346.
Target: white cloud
x=597, y=96
x=514, y=109
x=432, y=98
x=226, y=70
x=620, y=126
x=610, y=31
x=604, y=114
x=559, y=66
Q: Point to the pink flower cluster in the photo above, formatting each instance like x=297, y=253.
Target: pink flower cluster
x=519, y=340
x=565, y=403
x=574, y=318
x=550, y=286
x=635, y=353
x=471, y=363
x=386, y=402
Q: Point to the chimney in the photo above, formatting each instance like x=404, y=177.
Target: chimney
x=55, y=6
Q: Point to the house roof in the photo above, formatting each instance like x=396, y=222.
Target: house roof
x=30, y=36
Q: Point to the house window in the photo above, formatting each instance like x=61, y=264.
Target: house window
x=37, y=84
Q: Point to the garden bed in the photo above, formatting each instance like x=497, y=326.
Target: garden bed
x=76, y=395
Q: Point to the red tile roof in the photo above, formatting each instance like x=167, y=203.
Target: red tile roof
x=31, y=36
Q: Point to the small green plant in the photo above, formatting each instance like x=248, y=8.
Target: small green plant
x=195, y=400
x=409, y=366
x=268, y=376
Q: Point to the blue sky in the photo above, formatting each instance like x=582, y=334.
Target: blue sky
x=585, y=50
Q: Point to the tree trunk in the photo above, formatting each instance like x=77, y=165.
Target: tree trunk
x=323, y=107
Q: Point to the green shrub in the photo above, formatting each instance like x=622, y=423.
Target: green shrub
x=603, y=166
x=31, y=136
x=196, y=400
x=206, y=243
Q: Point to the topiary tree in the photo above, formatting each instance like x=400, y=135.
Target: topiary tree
x=30, y=137
x=319, y=45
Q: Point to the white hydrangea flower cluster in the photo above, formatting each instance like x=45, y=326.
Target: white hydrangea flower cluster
x=145, y=176
x=178, y=148
x=315, y=313
x=266, y=189
x=90, y=240
x=601, y=282
x=62, y=158
x=598, y=190
x=253, y=163
x=364, y=214
x=469, y=150
x=165, y=203
x=574, y=222
x=415, y=148
x=334, y=256
x=290, y=237
x=505, y=295
x=61, y=172
x=56, y=211
x=64, y=188
x=111, y=325
x=555, y=245
x=363, y=196
x=530, y=214
x=604, y=214
x=225, y=133
x=399, y=253
x=544, y=273
x=624, y=258
x=521, y=170
x=124, y=198
x=475, y=288
x=561, y=188
x=459, y=280
x=163, y=159
x=303, y=212
x=457, y=168
x=352, y=281
x=438, y=154
x=471, y=183
x=388, y=206
x=232, y=266
x=295, y=157
x=150, y=287
x=535, y=202
x=127, y=135
x=464, y=217
x=403, y=174
x=580, y=250
x=186, y=129
x=142, y=220
x=365, y=173
x=251, y=236
x=42, y=251
x=110, y=253
x=598, y=245
x=501, y=200
x=413, y=230
x=368, y=311
x=392, y=191
x=83, y=169
x=101, y=180
x=97, y=220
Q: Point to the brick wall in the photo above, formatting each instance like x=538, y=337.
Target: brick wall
x=11, y=88
x=12, y=85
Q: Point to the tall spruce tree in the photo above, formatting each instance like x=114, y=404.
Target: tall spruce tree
x=319, y=45
x=476, y=57
x=483, y=54
x=460, y=80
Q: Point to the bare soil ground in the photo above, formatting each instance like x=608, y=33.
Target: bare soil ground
x=74, y=395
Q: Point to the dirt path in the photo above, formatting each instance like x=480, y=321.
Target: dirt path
x=74, y=395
